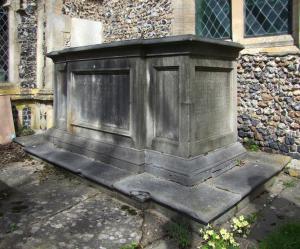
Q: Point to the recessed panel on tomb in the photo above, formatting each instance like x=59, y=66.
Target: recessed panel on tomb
x=212, y=103
x=167, y=102
x=102, y=100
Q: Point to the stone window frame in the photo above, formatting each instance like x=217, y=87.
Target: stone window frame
x=184, y=22
x=14, y=51
x=284, y=41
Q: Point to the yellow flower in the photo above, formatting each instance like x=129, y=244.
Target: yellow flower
x=242, y=218
x=232, y=241
x=210, y=232
x=223, y=231
x=235, y=220
x=205, y=237
x=217, y=236
x=245, y=223
x=225, y=236
x=212, y=244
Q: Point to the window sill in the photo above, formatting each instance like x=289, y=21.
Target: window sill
x=280, y=44
x=8, y=85
x=268, y=41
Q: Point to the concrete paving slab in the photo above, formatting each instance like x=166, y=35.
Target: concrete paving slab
x=15, y=175
x=163, y=244
x=36, y=200
x=59, y=211
x=203, y=202
x=242, y=180
x=97, y=222
x=291, y=192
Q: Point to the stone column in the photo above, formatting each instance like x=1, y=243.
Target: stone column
x=14, y=47
x=57, y=25
x=237, y=18
x=296, y=22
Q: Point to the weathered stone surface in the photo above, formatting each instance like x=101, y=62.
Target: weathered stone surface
x=49, y=209
x=203, y=202
x=293, y=168
x=246, y=178
x=104, y=174
x=99, y=172
x=134, y=118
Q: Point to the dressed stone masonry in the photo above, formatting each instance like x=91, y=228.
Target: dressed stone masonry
x=157, y=105
x=269, y=102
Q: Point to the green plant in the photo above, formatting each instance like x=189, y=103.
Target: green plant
x=25, y=131
x=224, y=239
x=251, y=218
x=129, y=210
x=12, y=227
x=181, y=233
x=289, y=184
x=239, y=162
x=214, y=239
x=240, y=226
x=133, y=245
x=251, y=145
x=286, y=237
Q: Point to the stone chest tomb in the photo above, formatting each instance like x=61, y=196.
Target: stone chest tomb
x=163, y=106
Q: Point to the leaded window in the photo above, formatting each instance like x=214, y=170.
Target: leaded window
x=213, y=18
x=3, y=44
x=267, y=17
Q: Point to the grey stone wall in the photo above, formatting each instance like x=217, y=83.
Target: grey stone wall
x=269, y=102
x=127, y=19
x=27, y=38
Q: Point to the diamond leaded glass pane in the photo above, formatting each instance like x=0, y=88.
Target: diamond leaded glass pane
x=213, y=18
x=267, y=17
x=3, y=44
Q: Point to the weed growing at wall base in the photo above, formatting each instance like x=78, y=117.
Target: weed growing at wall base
x=181, y=233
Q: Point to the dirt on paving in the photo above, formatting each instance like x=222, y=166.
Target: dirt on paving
x=10, y=153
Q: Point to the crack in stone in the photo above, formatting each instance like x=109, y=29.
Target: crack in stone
x=65, y=209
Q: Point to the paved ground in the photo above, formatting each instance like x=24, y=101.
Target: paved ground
x=44, y=207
